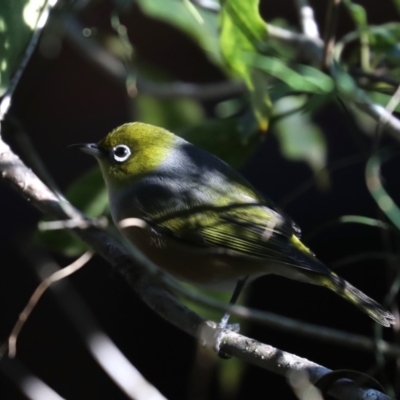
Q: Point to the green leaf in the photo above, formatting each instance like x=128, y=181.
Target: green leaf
x=376, y=188
x=88, y=193
x=300, y=139
x=302, y=79
x=359, y=16
x=358, y=13
x=243, y=31
x=18, y=19
x=382, y=99
x=201, y=25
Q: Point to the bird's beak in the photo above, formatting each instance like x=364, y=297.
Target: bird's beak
x=88, y=148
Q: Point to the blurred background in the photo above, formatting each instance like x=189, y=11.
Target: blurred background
x=295, y=135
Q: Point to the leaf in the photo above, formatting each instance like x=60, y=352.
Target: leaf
x=382, y=99
x=18, y=19
x=88, y=193
x=358, y=13
x=376, y=188
x=385, y=42
x=359, y=16
x=244, y=31
x=300, y=139
x=177, y=14
x=304, y=79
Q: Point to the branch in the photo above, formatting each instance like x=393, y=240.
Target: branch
x=100, y=346
x=307, y=19
x=210, y=5
x=284, y=363
x=5, y=101
x=145, y=279
x=330, y=31
x=113, y=67
x=30, y=385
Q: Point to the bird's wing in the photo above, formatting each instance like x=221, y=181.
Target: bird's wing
x=243, y=222
x=248, y=230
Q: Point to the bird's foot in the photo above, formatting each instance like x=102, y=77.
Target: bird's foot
x=229, y=327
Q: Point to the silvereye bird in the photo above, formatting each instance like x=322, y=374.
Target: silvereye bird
x=202, y=221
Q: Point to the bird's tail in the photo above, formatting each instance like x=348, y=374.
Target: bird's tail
x=359, y=299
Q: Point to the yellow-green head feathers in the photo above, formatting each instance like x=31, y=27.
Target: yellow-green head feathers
x=133, y=150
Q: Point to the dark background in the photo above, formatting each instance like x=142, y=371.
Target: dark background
x=66, y=100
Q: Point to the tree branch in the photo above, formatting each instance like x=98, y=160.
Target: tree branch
x=5, y=101
x=97, y=55
x=307, y=18
x=30, y=385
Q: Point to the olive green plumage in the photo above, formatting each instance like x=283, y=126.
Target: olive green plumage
x=200, y=220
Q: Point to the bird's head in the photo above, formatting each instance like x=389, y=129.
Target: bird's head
x=130, y=152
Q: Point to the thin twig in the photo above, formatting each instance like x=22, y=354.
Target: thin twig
x=116, y=69
x=390, y=107
x=377, y=112
x=209, y=5
x=99, y=345
x=374, y=76
x=307, y=19
x=38, y=293
x=5, y=102
x=330, y=31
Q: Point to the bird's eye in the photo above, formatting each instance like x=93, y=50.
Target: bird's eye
x=121, y=153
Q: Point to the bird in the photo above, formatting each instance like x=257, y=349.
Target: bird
x=201, y=221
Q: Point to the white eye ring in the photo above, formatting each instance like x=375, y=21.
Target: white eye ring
x=121, y=153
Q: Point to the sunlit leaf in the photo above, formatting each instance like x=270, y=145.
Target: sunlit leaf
x=302, y=79
x=18, y=19
x=357, y=12
x=243, y=30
